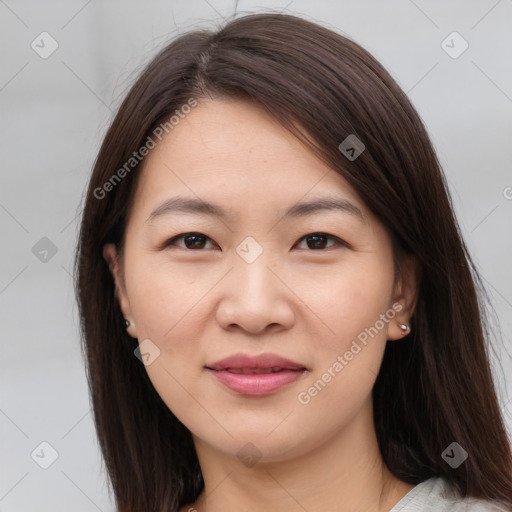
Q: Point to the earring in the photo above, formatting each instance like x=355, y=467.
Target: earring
x=405, y=328
x=127, y=323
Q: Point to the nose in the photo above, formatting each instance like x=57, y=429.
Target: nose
x=255, y=297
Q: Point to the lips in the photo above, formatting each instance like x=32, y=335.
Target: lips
x=248, y=371
x=260, y=362
x=256, y=375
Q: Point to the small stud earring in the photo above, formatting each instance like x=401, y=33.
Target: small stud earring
x=405, y=328
x=127, y=323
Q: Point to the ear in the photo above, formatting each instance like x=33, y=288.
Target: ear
x=405, y=294
x=114, y=263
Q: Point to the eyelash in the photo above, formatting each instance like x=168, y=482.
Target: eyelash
x=171, y=241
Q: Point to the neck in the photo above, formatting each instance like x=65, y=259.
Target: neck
x=345, y=473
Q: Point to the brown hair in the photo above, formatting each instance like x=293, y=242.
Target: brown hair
x=434, y=387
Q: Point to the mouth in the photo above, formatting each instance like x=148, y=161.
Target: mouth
x=258, y=371
x=256, y=376
x=256, y=382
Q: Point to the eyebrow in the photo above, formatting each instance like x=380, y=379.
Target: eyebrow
x=181, y=204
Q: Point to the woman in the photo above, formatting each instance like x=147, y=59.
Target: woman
x=278, y=309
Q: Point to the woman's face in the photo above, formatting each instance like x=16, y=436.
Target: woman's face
x=267, y=279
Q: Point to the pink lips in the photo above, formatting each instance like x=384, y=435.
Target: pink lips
x=259, y=375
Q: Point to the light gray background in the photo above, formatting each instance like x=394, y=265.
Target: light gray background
x=54, y=113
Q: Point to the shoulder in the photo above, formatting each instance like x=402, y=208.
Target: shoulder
x=436, y=495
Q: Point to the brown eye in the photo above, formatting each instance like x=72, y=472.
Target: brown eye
x=318, y=241
x=192, y=241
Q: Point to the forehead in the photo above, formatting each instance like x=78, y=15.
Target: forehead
x=235, y=152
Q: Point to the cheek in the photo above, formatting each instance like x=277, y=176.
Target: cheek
x=352, y=302
x=162, y=298
x=170, y=308
x=167, y=310
x=355, y=306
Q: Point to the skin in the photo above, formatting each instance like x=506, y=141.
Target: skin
x=295, y=300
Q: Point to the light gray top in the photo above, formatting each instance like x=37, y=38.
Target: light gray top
x=436, y=495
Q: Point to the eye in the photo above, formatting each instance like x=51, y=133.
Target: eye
x=193, y=241
x=318, y=240
x=197, y=241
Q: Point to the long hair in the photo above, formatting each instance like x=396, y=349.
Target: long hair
x=434, y=388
